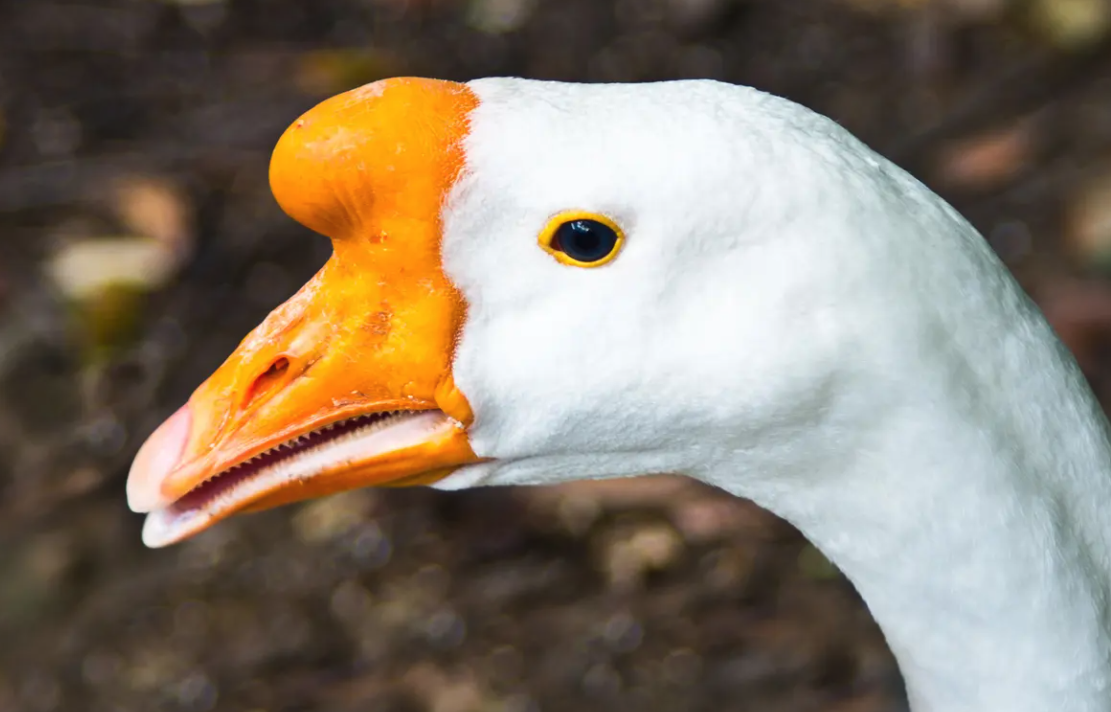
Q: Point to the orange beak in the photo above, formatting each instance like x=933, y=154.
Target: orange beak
x=349, y=383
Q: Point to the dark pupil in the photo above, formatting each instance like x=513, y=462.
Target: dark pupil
x=586, y=240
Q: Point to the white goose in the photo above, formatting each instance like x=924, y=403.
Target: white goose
x=539, y=282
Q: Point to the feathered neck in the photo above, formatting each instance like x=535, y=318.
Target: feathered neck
x=970, y=509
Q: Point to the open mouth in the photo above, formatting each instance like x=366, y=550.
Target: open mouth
x=338, y=446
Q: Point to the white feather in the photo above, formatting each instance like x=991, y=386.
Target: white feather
x=800, y=322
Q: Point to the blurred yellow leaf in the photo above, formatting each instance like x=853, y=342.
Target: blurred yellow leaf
x=106, y=280
x=1071, y=24
x=157, y=208
x=108, y=320
x=627, y=555
x=84, y=269
x=1089, y=221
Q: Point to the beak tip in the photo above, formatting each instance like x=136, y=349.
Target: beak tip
x=155, y=460
x=155, y=535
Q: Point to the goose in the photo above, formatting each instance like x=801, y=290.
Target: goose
x=537, y=282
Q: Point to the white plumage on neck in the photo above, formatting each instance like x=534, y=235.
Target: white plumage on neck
x=797, y=321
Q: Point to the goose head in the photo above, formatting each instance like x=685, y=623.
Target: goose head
x=536, y=282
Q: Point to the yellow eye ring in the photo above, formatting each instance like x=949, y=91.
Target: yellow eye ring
x=582, y=239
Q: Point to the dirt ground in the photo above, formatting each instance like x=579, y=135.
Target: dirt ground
x=137, y=132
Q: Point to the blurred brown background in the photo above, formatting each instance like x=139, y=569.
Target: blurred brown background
x=139, y=242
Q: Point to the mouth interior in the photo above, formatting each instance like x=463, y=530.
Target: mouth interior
x=222, y=485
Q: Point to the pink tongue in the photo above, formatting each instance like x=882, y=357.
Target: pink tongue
x=156, y=459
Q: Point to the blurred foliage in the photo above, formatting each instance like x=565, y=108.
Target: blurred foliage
x=139, y=243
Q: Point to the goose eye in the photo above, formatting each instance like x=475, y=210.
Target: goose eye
x=582, y=239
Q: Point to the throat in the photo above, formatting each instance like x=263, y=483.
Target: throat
x=989, y=598
x=980, y=544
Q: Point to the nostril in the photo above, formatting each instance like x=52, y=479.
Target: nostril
x=269, y=378
x=280, y=366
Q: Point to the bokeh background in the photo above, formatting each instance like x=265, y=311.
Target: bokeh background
x=139, y=243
